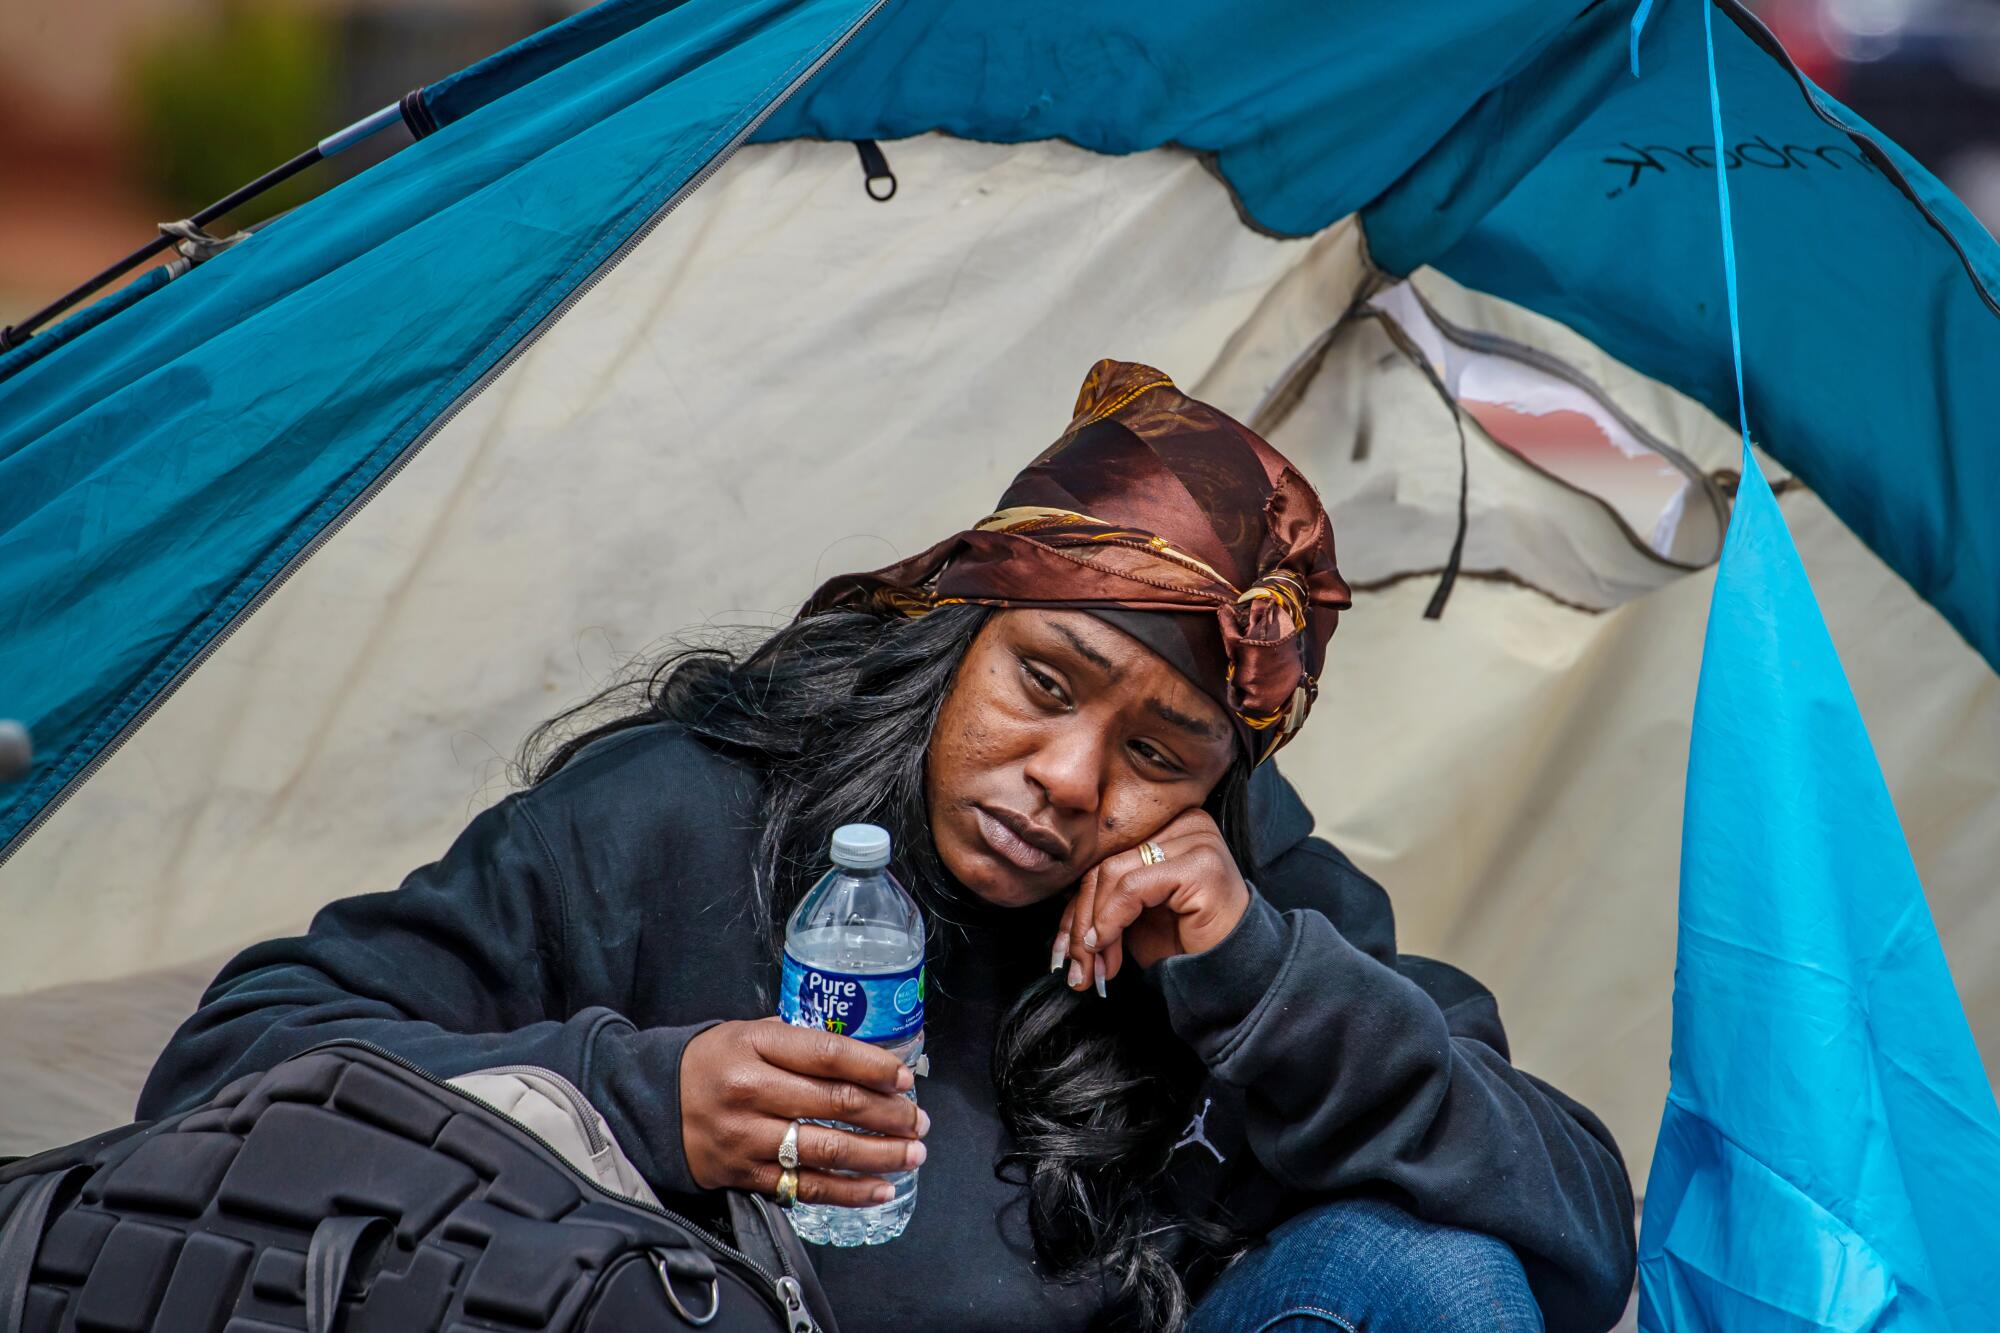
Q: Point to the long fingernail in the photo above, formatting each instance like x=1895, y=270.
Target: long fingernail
x=923, y=1122
x=884, y=1193
x=1098, y=959
x=1059, y=952
x=914, y=1155
x=1076, y=976
x=1090, y=938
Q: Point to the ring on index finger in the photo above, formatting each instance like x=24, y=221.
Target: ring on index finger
x=788, y=1187
x=788, y=1149
x=1150, y=853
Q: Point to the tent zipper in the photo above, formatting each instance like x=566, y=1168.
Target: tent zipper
x=409, y=452
x=784, y=1288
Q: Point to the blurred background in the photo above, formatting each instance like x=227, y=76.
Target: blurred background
x=116, y=115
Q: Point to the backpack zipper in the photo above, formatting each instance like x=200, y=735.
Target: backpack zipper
x=787, y=1292
x=585, y=1115
x=794, y=1297
x=580, y=1109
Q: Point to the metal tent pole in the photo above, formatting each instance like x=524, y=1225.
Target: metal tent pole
x=189, y=232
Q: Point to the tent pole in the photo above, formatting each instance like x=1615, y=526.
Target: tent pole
x=366, y=128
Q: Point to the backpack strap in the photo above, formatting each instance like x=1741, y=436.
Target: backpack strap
x=20, y=1238
x=335, y=1242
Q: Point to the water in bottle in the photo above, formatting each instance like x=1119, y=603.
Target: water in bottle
x=854, y=964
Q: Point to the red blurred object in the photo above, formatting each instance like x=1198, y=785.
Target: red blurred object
x=1796, y=23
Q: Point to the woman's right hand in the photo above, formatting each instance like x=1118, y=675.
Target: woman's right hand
x=743, y=1083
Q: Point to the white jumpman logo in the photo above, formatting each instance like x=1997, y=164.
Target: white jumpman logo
x=1197, y=1131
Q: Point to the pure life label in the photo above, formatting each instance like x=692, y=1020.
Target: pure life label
x=885, y=1008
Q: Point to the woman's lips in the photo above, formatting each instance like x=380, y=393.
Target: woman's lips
x=1010, y=846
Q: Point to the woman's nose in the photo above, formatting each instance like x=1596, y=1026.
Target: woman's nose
x=1069, y=768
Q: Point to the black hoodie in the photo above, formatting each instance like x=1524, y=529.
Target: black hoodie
x=595, y=923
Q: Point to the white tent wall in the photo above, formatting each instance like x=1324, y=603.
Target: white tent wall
x=789, y=380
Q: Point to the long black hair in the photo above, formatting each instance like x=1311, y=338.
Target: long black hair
x=835, y=711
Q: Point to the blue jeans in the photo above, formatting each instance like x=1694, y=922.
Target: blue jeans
x=1361, y=1266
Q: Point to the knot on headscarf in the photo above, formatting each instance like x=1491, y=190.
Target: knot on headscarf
x=1153, y=502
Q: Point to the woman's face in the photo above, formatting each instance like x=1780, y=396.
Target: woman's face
x=1063, y=742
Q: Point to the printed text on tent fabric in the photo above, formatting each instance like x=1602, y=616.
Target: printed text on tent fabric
x=1757, y=152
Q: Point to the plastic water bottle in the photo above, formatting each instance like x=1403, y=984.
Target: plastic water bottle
x=854, y=964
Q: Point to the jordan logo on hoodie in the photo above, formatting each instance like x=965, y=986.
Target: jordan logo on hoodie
x=1197, y=1131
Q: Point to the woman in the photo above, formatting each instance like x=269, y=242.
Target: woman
x=1157, y=1095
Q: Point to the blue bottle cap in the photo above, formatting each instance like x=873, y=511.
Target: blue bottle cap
x=861, y=846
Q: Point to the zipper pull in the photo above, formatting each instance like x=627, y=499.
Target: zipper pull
x=794, y=1297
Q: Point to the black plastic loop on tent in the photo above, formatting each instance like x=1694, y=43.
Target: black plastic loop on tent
x=875, y=165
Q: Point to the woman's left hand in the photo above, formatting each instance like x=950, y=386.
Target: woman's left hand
x=1187, y=902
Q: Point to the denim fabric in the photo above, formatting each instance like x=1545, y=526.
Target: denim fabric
x=1360, y=1266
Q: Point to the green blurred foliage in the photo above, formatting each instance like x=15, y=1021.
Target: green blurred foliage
x=215, y=106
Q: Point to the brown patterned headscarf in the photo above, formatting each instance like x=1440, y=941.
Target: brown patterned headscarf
x=1151, y=503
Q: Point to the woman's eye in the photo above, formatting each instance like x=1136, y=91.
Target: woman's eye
x=1154, y=756
x=1044, y=682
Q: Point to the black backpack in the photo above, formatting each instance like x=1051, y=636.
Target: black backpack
x=348, y=1190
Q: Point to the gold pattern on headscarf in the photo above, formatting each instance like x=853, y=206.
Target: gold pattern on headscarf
x=1024, y=519
x=1125, y=398
x=911, y=604
x=1028, y=518
x=1287, y=721
x=1283, y=588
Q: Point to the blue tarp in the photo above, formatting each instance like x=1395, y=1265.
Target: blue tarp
x=160, y=469
x=1830, y=1153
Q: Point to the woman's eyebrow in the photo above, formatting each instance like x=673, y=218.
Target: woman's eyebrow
x=1161, y=709
x=1185, y=721
x=1088, y=653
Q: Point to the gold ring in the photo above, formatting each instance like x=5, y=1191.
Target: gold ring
x=788, y=1148
x=788, y=1187
x=1150, y=853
